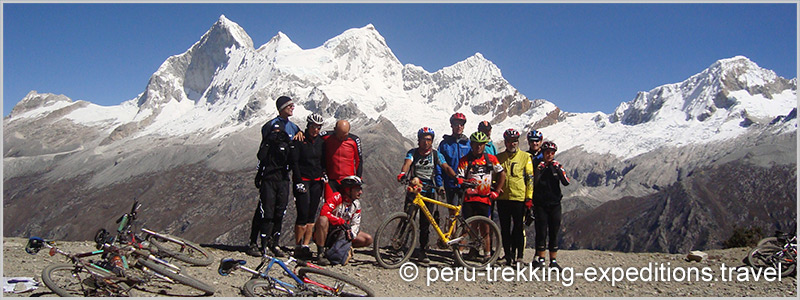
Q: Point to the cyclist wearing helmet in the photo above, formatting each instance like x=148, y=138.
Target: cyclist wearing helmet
x=308, y=183
x=517, y=195
x=548, y=176
x=424, y=163
x=535, y=142
x=453, y=147
x=481, y=168
x=341, y=209
x=486, y=128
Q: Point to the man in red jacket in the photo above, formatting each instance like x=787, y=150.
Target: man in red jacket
x=342, y=209
x=342, y=154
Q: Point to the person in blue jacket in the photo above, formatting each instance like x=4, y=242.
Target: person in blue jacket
x=453, y=147
x=486, y=128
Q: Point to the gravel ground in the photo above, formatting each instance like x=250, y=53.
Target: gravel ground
x=577, y=280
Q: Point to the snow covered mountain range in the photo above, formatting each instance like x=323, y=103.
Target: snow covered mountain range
x=204, y=108
x=222, y=84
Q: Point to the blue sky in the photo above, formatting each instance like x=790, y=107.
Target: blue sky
x=582, y=57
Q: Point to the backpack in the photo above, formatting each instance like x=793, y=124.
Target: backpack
x=339, y=250
x=274, y=148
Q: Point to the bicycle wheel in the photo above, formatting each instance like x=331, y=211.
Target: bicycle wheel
x=69, y=280
x=333, y=284
x=184, y=251
x=394, y=240
x=769, y=241
x=480, y=243
x=184, y=279
x=260, y=287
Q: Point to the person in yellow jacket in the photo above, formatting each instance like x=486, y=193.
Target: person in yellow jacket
x=516, y=197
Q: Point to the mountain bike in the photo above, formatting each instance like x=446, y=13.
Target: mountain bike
x=114, y=271
x=779, y=253
x=396, y=238
x=166, y=246
x=306, y=280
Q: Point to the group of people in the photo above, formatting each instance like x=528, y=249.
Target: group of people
x=325, y=165
x=521, y=185
x=328, y=165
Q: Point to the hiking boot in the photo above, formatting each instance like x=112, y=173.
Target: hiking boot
x=277, y=252
x=554, y=264
x=253, y=250
x=321, y=260
x=422, y=257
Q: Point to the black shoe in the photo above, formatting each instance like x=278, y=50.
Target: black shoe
x=277, y=252
x=510, y=261
x=537, y=263
x=302, y=252
x=554, y=264
x=422, y=257
x=253, y=250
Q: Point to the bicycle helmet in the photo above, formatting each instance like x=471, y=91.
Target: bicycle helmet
x=314, y=119
x=479, y=137
x=458, y=117
x=484, y=125
x=511, y=134
x=351, y=181
x=548, y=145
x=425, y=131
x=534, y=135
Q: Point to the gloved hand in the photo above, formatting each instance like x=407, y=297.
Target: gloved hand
x=493, y=195
x=556, y=164
x=440, y=191
x=528, y=203
x=541, y=166
x=300, y=188
x=401, y=176
x=459, y=180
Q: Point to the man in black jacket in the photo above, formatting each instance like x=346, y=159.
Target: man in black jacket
x=272, y=180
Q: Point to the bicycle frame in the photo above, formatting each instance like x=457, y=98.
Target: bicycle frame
x=420, y=201
x=267, y=262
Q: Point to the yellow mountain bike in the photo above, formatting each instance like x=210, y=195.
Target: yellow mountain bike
x=475, y=241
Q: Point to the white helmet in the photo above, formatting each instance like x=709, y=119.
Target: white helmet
x=314, y=119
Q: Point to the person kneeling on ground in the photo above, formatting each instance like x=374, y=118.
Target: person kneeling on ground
x=340, y=218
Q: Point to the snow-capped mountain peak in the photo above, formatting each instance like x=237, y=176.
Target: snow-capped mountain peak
x=363, y=42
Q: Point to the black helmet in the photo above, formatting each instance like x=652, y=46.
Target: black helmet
x=351, y=181
x=484, y=125
x=548, y=145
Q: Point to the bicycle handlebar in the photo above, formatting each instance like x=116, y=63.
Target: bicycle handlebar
x=228, y=264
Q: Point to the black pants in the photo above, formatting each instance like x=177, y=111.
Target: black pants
x=513, y=237
x=268, y=218
x=424, y=224
x=308, y=203
x=547, y=223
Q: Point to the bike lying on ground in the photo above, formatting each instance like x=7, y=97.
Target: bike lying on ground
x=114, y=271
x=475, y=241
x=306, y=280
x=166, y=246
x=779, y=252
